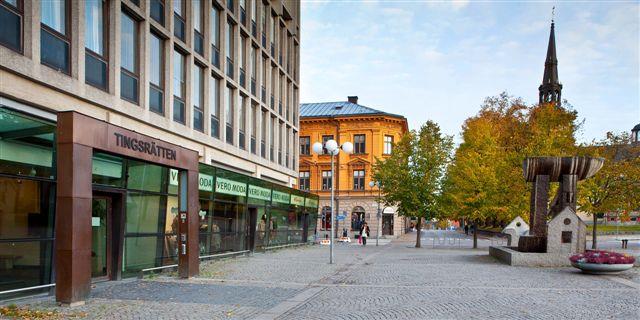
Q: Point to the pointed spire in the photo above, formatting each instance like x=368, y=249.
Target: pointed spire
x=551, y=89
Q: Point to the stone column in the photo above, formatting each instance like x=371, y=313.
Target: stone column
x=73, y=216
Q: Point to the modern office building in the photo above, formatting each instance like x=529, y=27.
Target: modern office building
x=373, y=133
x=141, y=134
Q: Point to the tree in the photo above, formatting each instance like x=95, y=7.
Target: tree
x=616, y=187
x=411, y=177
x=484, y=183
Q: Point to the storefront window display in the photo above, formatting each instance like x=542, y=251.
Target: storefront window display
x=27, y=201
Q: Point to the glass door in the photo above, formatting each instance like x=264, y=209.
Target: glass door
x=100, y=245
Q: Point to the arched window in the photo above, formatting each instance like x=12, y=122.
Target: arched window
x=357, y=218
x=326, y=218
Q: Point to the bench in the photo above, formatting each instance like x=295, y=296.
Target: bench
x=625, y=241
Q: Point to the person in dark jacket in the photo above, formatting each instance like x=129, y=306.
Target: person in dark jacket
x=364, y=233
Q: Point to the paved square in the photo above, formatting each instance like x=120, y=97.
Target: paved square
x=394, y=281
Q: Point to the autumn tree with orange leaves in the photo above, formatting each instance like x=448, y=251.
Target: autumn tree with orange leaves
x=484, y=183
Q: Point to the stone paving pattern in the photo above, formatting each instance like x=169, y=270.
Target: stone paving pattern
x=394, y=281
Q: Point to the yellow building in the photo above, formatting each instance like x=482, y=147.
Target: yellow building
x=372, y=133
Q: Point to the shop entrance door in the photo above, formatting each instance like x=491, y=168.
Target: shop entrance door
x=387, y=224
x=101, y=216
x=305, y=226
x=252, y=219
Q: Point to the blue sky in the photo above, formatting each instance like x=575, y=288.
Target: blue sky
x=439, y=60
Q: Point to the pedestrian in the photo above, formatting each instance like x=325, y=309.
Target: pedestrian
x=364, y=233
x=466, y=229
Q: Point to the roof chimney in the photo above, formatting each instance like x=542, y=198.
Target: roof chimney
x=353, y=99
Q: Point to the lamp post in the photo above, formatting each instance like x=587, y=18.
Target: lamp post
x=333, y=149
x=377, y=184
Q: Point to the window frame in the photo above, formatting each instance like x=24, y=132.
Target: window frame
x=183, y=81
x=324, y=141
x=359, y=147
x=327, y=178
x=159, y=87
x=214, y=105
x=18, y=11
x=305, y=149
x=197, y=69
x=304, y=180
x=387, y=143
x=62, y=37
x=136, y=47
x=358, y=179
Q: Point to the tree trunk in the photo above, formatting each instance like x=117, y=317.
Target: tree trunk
x=418, y=228
x=594, y=244
x=475, y=236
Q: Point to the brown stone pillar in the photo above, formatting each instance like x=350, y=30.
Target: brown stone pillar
x=73, y=217
x=539, y=203
x=189, y=260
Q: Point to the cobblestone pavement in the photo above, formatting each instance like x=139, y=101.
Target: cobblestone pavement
x=394, y=281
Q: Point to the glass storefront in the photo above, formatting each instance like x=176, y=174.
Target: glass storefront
x=27, y=201
x=135, y=206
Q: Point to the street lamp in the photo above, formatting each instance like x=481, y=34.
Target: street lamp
x=333, y=149
x=377, y=184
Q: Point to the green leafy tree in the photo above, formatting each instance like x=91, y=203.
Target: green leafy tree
x=411, y=177
x=616, y=187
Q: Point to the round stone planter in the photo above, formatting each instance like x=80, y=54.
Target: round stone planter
x=596, y=268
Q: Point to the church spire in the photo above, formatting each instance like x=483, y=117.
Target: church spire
x=551, y=89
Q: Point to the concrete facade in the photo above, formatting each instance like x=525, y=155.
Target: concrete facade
x=25, y=80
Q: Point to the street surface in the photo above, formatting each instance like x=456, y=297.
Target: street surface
x=392, y=281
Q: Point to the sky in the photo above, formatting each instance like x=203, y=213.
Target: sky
x=440, y=60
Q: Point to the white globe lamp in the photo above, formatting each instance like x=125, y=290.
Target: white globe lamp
x=317, y=148
x=332, y=147
x=347, y=147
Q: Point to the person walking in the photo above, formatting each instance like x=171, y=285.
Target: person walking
x=364, y=233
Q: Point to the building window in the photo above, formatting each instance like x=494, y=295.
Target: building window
x=253, y=120
x=197, y=96
x=305, y=145
x=241, y=122
x=228, y=98
x=263, y=22
x=388, y=144
x=54, y=36
x=178, y=19
x=272, y=146
x=326, y=180
x=324, y=142
x=243, y=67
x=229, y=49
x=95, y=44
x=263, y=138
x=357, y=218
x=326, y=218
x=254, y=11
x=359, y=143
x=157, y=11
x=214, y=106
x=358, y=179
x=156, y=79
x=11, y=13
x=253, y=61
x=215, y=37
x=304, y=182
x=198, y=38
x=243, y=12
x=129, y=58
x=178, y=87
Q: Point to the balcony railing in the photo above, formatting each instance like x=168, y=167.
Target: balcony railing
x=264, y=94
x=242, y=77
x=229, y=67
